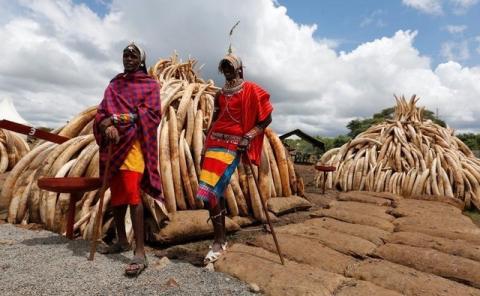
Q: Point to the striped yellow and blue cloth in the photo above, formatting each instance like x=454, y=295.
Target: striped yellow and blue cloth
x=217, y=169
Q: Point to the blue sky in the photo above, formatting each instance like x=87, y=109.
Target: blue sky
x=355, y=22
x=101, y=7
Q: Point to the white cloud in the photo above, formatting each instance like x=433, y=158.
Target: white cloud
x=455, y=29
x=435, y=7
x=65, y=55
x=374, y=18
x=427, y=6
x=461, y=6
x=455, y=51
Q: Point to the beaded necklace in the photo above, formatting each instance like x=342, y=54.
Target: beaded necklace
x=229, y=89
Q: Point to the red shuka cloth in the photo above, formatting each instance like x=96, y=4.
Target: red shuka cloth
x=140, y=94
x=125, y=188
x=251, y=105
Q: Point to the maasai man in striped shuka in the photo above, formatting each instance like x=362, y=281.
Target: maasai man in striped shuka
x=242, y=112
x=129, y=116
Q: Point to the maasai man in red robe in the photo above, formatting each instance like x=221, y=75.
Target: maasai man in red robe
x=128, y=118
x=242, y=112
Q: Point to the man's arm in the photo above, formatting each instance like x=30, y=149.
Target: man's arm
x=259, y=127
x=255, y=131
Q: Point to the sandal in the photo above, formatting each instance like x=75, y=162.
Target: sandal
x=214, y=256
x=139, y=265
x=116, y=248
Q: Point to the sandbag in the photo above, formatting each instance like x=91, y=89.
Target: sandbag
x=363, y=288
x=372, y=234
x=256, y=265
x=356, y=218
x=413, y=207
x=362, y=208
x=384, y=194
x=453, y=247
x=441, y=198
x=243, y=221
x=365, y=197
x=447, y=226
x=439, y=232
x=406, y=280
x=185, y=226
x=306, y=250
x=432, y=261
x=344, y=243
x=284, y=205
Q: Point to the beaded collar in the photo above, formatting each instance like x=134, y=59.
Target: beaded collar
x=232, y=87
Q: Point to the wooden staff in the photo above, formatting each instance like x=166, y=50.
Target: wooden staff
x=98, y=219
x=264, y=206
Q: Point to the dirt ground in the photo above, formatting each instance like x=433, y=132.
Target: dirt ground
x=353, y=243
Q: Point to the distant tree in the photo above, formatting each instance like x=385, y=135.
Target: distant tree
x=357, y=126
x=471, y=140
x=327, y=141
x=340, y=140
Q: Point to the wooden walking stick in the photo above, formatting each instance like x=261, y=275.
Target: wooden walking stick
x=97, y=225
x=264, y=206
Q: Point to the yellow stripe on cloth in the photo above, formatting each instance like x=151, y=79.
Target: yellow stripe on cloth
x=134, y=160
x=210, y=178
x=220, y=155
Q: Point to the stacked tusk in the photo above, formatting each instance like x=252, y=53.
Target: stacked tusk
x=407, y=155
x=187, y=112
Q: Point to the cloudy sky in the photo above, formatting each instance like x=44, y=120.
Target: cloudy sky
x=324, y=62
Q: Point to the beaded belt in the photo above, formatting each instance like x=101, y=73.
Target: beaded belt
x=226, y=138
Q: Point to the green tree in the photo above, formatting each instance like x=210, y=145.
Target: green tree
x=471, y=140
x=357, y=126
x=340, y=140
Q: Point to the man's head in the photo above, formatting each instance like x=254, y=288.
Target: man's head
x=133, y=58
x=231, y=67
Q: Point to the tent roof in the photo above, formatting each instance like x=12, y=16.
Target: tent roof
x=8, y=111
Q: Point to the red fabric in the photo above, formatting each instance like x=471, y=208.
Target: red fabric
x=255, y=107
x=224, y=123
x=140, y=94
x=125, y=188
x=214, y=165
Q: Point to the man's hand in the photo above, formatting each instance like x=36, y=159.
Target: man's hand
x=104, y=124
x=243, y=144
x=112, y=134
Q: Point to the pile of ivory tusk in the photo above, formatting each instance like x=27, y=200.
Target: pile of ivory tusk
x=408, y=156
x=12, y=148
x=187, y=109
